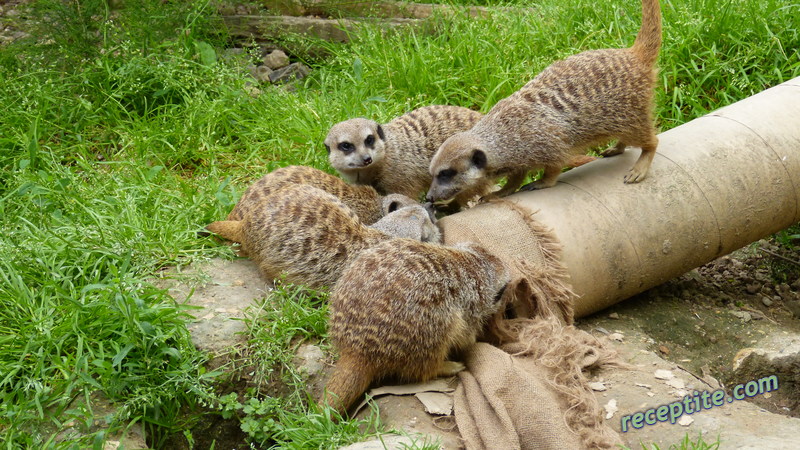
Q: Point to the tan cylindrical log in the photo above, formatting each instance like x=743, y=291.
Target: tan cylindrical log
x=717, y=184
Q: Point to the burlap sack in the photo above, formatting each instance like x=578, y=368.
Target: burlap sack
x=529, y=391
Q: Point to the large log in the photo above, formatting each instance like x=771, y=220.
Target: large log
x=717, y=184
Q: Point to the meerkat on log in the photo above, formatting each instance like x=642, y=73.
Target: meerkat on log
x=395, y=157
x=585, y=100
x=402, y=307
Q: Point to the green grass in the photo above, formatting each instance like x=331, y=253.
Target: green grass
x=120, y=139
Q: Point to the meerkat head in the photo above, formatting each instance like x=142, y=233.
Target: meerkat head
x=412, y=221
x=459, y=165
x=355, y=144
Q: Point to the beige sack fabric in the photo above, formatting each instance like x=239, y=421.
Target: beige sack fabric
x=534, y=396
x=530, y=391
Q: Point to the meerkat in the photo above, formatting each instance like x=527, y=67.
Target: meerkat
x=309, y=236
x=365, y=201
x=402, y=307
x=585, y=100
x=395, y=157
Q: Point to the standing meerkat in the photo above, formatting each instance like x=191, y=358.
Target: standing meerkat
x=310, y=236
x=395, y=157
x=585, y=100
x=402, y=307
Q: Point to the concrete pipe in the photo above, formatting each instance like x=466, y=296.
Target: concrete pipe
x=717, y=184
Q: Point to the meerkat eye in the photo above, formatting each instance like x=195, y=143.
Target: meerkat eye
x=446, y=175
x=369, y=141
x=346, y=147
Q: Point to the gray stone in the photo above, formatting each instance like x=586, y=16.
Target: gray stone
x=276, y=59
x=261, y=73
x=310, y=360
x=744, y=315
x=766, y=301
x=294, y=71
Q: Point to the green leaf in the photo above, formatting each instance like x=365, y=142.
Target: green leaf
x=121, y=355
x=208, y=56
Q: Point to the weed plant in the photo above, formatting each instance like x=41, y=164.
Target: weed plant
x=123, y=132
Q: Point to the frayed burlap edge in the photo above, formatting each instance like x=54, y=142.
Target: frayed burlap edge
x=542, y=300
x=567, y=352
x=535, y=290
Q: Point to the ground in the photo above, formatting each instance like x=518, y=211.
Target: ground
x=693, y=326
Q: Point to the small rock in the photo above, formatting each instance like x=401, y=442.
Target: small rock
x=611, y=408
x=309, y=359
x=663, y=349
x=276, y=60
x=597, y=386
x=261, y=73
x=616, y=337
x=685, y=421
x=294, y=71
x=662, y=374
x=744, y=315
x=753, y=289
x=614, y=316
x=766, y=301
x=794, y=307
x=676, y=383
x=785, y=292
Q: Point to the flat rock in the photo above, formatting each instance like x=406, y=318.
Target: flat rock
x=276, y=60
x=222, y=290
x=292, y=72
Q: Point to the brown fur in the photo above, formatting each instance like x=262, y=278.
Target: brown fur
x=585, y=100
x=395, y=157
x=402, y=307
x=363, y=200
x=310, y=236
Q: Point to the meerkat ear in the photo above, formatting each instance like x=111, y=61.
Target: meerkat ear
x=478, y=159
x=327, y=148
x=380, y=133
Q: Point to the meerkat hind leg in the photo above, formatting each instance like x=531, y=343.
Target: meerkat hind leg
x=450, y=368
x=513, y=182
x=615, y=150
x=547, y=180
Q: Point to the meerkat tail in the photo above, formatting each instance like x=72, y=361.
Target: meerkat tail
x=351, y=378
x=227, y=229
x=648, y=41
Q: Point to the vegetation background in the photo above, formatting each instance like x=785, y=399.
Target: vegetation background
x=123, y=132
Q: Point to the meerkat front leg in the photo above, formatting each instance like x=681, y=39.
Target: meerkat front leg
x=642, y=165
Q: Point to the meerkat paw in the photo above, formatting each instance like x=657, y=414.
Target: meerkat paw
x=450, y=368
x=635, y=175
x=613, y=151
